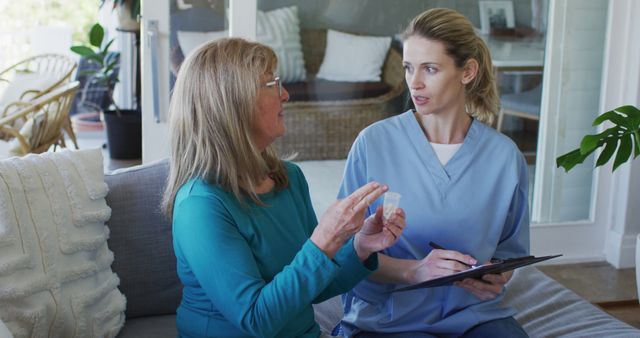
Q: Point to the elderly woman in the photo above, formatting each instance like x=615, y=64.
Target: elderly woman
x=250, y=252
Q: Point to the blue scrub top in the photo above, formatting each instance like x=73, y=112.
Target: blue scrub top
x=475, y=204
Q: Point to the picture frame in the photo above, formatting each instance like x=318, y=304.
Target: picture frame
x=189, y=4
x=182, y=4
x=496, y=14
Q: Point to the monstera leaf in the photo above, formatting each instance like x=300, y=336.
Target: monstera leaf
x=622, y=139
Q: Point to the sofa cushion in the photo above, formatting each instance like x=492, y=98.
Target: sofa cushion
x=548, y=309
x=55, y=266
x=545, y=309
x=141, y=240
x=150, y=327
x=22, y=82
x=322, y=90
x=367, y=52
x=280, y=30
x=189, y=40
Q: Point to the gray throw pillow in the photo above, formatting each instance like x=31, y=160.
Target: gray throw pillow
x=141, y=240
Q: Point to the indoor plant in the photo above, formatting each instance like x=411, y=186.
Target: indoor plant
x=124, y=126
x=128, y=11
x=623, y=136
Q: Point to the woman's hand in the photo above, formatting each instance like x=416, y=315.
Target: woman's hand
x=344, y=218
x=488, y=288
x=439, y=263
x=378, y=234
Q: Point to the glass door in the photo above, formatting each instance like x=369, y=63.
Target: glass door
x=561, y=63
x=193, y=23
x=570, y=102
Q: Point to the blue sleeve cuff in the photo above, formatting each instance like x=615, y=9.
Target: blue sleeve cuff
x=323, y=261
x=348, y=260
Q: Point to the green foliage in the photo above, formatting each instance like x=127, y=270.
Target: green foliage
x=624, y=137
x=98, y=52
x=17, y=18
x=135, y=6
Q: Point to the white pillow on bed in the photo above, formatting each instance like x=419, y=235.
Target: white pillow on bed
x=353, y=58
x=278, y=29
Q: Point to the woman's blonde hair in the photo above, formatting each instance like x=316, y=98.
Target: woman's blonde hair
x=456, y=32
x=211, y=121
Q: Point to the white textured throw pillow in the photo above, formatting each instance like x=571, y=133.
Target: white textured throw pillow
x=280, y=30
x=353, y=58
x=55, y=266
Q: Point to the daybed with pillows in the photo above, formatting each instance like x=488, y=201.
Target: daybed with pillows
x=338, y=83
x=84, y=254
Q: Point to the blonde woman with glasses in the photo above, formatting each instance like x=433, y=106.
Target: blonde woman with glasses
x=250, y=252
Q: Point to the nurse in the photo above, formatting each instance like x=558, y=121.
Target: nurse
x=463, y=186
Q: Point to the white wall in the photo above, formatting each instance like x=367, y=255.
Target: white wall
x=572, y=82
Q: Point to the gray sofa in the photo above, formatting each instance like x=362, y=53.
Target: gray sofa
x=144, y=261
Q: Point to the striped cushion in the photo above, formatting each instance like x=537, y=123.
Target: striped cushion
x=280, y=30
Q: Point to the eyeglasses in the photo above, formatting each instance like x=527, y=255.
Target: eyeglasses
x=275, y=82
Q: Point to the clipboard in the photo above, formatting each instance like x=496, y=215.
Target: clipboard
x=496, y=266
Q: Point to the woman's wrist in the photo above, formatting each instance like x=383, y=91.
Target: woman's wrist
x=362, y=252
x=326, y=244
x=410, y=273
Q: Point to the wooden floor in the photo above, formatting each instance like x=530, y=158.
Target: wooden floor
x=613, y=290
x=627, y=311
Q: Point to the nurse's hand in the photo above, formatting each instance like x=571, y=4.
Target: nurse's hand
x=344, y=218
x=378, y=234
x=439, y=263
x=488, y=288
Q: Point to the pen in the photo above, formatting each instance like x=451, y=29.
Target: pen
x=440, y=247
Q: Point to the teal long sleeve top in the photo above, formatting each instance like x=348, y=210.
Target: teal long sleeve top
x=251, y=270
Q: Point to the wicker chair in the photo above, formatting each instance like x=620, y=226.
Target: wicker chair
x=55, y=66
x=58, y=67
x=320, y=130
x=42, y=123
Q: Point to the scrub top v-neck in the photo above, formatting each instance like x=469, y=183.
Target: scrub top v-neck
x=475, y=204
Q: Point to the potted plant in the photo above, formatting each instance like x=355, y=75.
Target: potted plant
x=124, y=126
x=128, y=11
x=621, y=139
